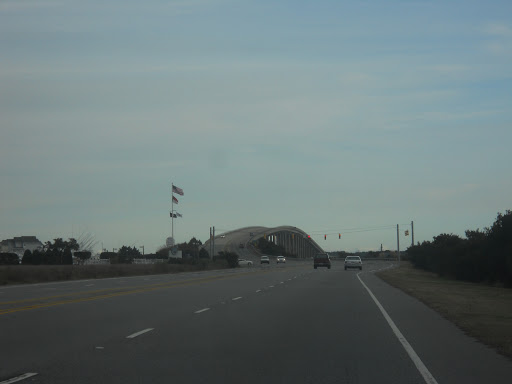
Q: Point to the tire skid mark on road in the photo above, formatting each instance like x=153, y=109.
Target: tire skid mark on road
x=19, y=378
x=134, y=335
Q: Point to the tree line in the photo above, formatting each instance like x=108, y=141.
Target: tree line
x=483, y=256
x=58, y=252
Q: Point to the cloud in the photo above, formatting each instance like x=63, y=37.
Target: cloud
x=22, y=5
x=498, y=29
x=500, y=36
x=443, y=193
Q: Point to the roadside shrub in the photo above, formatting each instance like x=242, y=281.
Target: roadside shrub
x=9, y=259
x=230, y=257
x=203, y=254
x=484, y=256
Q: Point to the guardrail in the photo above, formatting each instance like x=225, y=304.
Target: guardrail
x=96, y=261
x=148, y=261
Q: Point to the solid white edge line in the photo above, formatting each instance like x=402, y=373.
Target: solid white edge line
x=237, y=298
x=427, y=376
x=139, y=333
x=18, y=378
x=202, y=310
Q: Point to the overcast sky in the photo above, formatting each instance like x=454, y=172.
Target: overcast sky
x=332, y=116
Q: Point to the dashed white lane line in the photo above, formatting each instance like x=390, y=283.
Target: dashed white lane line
x=259, y=290
x=282, y=282
x=236, y=298
x=271, y=286
x=202, y=310
x=132, y=336
x=89, y=285
x=18, y=378
x=427, y=376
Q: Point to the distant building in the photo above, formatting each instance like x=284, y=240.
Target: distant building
x=20, y=244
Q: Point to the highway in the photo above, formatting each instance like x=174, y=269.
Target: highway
x=265, y=324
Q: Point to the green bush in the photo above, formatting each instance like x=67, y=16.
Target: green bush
x=230, y=257
x=9, y=259
x=484, y=256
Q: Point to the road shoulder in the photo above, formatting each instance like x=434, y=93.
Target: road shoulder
x=449, y=354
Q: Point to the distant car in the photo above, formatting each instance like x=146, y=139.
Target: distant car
x=322, y=260
x=244, y=263
x=222, y=236
x=281, y=259
x=265, y=260
x=353, y=262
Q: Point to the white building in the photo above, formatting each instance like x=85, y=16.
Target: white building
x=20, y=244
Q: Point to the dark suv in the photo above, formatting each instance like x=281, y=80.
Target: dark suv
x=322, y=260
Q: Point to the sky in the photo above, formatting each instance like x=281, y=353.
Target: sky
x=332, y=116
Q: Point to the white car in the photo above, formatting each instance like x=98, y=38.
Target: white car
x=281, y=259
x=353, y=262
x=244, y=263
x=265, y=260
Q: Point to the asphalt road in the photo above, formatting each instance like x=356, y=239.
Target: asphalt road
x=278, y=324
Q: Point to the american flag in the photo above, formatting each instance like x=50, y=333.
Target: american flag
x=177, y=190
x=175, y=200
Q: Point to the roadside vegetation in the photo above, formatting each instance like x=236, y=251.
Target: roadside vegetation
x=266, y=247
x=24, y=274
x=64, y=260
x=467, y=280
x=480, y=310
x=482, y=257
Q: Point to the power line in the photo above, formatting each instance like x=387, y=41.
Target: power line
x=352, y=230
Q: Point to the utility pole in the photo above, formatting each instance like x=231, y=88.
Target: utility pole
x=212, y=242
x=412, y=233
x=398, y=241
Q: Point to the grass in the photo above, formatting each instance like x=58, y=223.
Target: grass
x=481, y=311
x=27, y=274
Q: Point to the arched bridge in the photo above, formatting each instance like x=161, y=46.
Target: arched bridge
x=294, y=241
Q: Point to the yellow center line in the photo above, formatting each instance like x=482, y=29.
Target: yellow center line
x=131, y=290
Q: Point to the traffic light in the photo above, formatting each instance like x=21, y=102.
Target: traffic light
x=309, y=236
x=325, y=237
x=339, y=235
